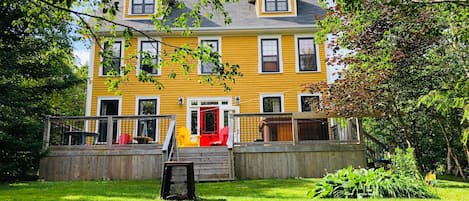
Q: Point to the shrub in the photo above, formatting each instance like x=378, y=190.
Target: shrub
x=403, y=163
x=401, y=181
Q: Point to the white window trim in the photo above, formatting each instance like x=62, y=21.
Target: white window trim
x=101, y=98
x=100, y=74
x=282, y=100
x=218, y=38
x=197, y=107
x=259, y=53
x=137, y=100
x=306, y=94
x=139, y=49
x=297, y=51
x=119, y=111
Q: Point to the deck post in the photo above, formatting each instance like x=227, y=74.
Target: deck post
x=359, y=130
x=110, y=126
x=295, y=129
x=46, y=136
x=230, y=144
x=230, y=132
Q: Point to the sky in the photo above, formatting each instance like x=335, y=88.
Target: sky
x=81, y=52
x=81, y=48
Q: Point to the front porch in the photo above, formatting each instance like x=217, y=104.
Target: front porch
x=274, y=145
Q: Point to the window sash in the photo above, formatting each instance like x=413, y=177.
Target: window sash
x=115, y=57
x=307, y=55
x=147, y=106
x=270, y=58
x=151, y=48
x=207, y=67
x=276, y=5
x=272, y=104
x=305, y=102
x=143, y=6
x=194, y=122
x=147, y=127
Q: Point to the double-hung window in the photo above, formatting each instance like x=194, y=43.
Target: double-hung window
x=308, y=101
x=307, y=55
x=276, y=5
x=207, y=67
x=271, y=104
x=112, y=57
x=143, y=6
x=149, y=52
x=270, y=55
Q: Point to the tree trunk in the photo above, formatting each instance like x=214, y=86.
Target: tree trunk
x=401, y=122
x=448, y=145
x=466, y=151
x=449, y=165
x=458, y=166
x=464, y=146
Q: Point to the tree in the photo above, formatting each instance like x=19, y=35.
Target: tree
x=91, y=22
x=35, y=62
x=404, y=53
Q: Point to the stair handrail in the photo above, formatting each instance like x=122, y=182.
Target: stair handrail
x=170, y=141
x=369, y=140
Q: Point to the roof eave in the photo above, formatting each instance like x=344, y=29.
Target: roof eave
x=231, y=30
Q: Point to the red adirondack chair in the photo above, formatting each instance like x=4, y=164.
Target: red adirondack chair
x=222, y=137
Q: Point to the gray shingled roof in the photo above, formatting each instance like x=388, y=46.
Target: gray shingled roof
x=244, y=16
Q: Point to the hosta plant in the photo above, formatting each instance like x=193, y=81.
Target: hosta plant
x=401, y=181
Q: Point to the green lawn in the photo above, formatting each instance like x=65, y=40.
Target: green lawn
x=285, y=189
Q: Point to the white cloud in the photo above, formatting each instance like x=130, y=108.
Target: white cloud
x=82, y=57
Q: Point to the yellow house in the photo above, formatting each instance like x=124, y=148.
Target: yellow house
x=264, y=121
x=271, y=40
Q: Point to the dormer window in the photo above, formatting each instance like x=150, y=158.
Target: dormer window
x=143, y=6
x=276, y=5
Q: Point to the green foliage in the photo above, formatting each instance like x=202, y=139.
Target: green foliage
x=35, y=70
x=183, y=17
x=401, y=181
x=404, y=163
x=408, y=65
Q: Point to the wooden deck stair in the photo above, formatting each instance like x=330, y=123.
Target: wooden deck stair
x=210, y=163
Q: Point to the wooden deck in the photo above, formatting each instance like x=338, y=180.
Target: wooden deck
x=144, y=161
x=311, y=150
x=140, y=161
x=292, y=161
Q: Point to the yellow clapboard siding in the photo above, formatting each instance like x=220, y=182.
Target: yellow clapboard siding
x=242, y=50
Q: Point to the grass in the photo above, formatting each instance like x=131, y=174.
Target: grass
x=272, y=189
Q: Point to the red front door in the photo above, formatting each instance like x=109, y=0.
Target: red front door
x=209, y=125
x=209, y=120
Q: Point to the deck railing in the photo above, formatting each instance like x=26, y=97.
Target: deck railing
x=106, y=130
x=170, y=144
x=293, y=128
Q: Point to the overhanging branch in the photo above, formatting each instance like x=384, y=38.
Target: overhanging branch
x=81, y=14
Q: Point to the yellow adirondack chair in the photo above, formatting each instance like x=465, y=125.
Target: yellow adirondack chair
x=183, y=138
